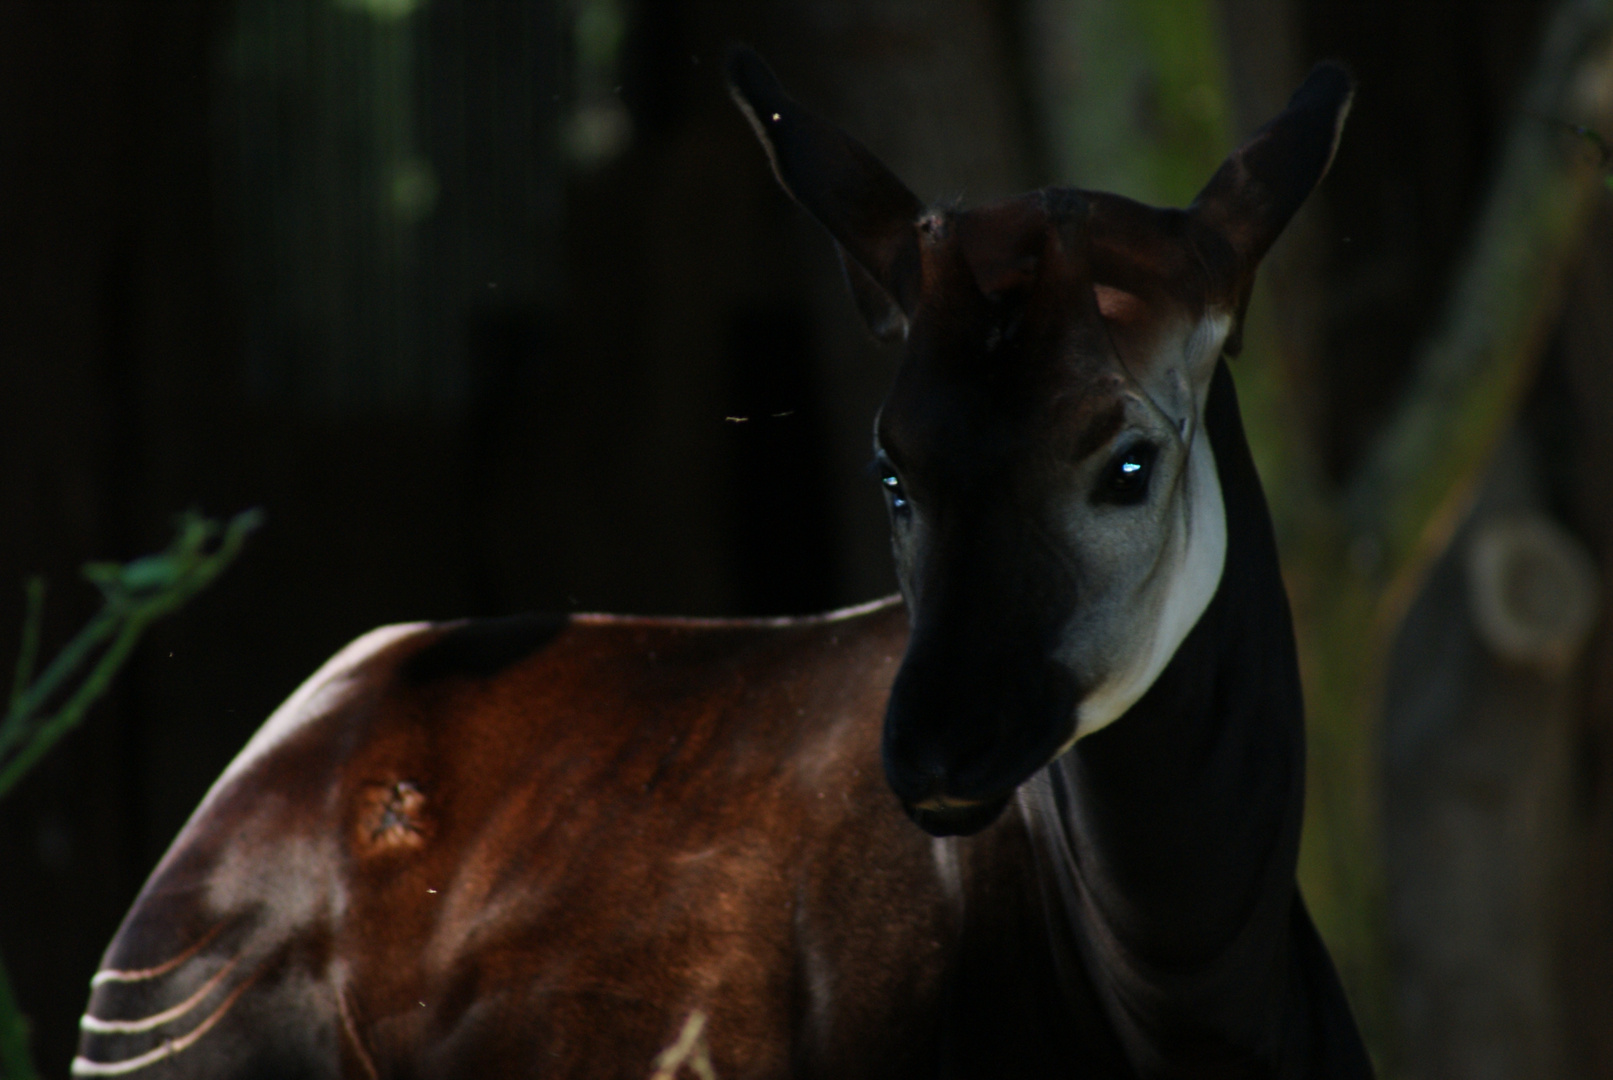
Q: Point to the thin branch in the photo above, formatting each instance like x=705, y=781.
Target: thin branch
x=69, y=715
x=15, y=1061
x=137, y=594
x=34, y=589
x=26, y=704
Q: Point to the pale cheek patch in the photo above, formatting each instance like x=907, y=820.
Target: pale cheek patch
x=1188, y=589
x=1200, y=352
x=1167, y=608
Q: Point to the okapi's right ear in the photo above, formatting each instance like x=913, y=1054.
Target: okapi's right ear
x=1262, y=183
x=870, y=213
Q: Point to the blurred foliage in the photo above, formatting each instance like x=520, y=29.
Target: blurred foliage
x=1146, y=112
x=600, y=127
x=134, y=594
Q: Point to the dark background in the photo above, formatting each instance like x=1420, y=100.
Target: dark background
x=465, y=297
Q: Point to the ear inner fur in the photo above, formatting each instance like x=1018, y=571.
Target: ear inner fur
x=870, y=213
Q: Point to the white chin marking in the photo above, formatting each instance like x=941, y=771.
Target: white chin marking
x=1194, y=580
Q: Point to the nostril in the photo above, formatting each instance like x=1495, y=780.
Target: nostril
x=933, y=735
x=961, y=733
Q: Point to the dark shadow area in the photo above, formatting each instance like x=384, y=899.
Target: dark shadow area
x=782, y=532
x=495, y=308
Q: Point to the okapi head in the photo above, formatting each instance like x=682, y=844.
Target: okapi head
x=1055, y=508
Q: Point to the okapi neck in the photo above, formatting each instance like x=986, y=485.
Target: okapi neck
x=1170, y=837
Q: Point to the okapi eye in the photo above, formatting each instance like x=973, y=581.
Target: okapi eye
x=1126, y=480
x=893, y=489
x=894, y=494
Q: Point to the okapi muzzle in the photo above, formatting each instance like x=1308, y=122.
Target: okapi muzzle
x=1056, y=510
x=982, y=698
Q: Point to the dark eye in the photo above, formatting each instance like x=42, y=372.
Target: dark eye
x=893, y=491
x=892, y=484
x=1125, y=480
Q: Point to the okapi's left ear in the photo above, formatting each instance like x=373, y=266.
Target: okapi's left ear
x=1262, y=183
x=870, y=213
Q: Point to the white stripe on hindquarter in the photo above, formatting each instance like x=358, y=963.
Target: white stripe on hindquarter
x=106, y=975
x=93, y=1023
x=83, y=1066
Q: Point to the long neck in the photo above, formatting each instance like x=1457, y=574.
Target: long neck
x=1168, y=840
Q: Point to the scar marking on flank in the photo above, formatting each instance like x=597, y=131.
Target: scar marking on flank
x=141, y=974
x=393, y=817
x=85, y=1067
x=92, y=1023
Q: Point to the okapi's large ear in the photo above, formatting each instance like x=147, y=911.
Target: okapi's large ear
x=870, y=213
x=1257, y=189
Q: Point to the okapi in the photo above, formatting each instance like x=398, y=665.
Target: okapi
x=535, y=846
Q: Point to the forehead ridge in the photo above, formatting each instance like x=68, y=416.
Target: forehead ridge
x=1058, y=304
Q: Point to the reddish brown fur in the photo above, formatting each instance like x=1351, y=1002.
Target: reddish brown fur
x=702, y=802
